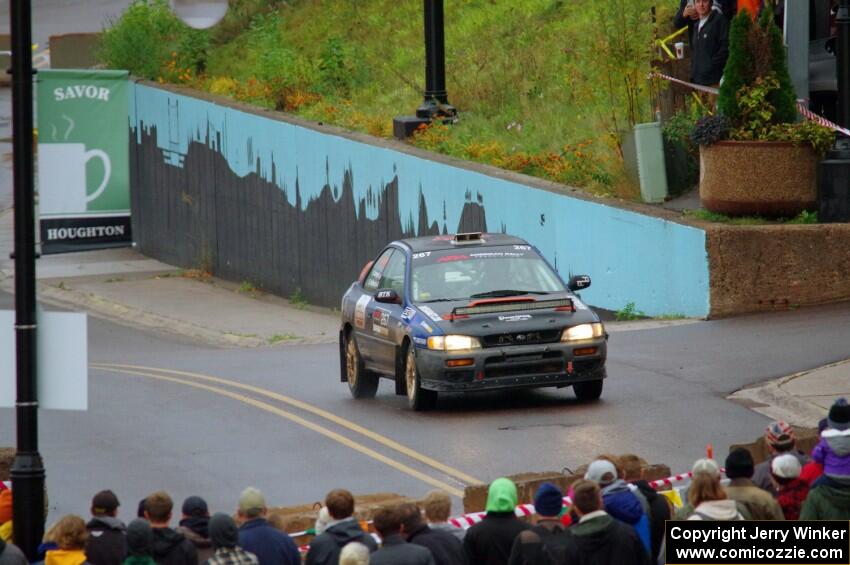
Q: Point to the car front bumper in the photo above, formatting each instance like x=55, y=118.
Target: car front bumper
x=516, y=366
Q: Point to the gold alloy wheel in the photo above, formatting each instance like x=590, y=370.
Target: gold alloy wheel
x=351, y=365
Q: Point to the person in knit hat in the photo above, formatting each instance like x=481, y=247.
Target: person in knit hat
x=833, y=449
x=489, y=542
x=547, y=541
x=224, y=535
x=779, y=438
x=739, y=469
x=791, y=491
x=139, y=543
x=194, y=526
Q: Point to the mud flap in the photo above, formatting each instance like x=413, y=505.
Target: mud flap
x=400, y=383
x=343, y=377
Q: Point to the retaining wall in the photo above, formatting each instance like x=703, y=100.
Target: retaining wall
x=286, y=204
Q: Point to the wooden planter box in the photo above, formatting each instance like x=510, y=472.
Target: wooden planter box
x=758, y=178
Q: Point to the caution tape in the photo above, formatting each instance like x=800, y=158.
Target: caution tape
x=801, y=104
x=665, y=40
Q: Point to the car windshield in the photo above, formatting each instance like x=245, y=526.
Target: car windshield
x=480, y=272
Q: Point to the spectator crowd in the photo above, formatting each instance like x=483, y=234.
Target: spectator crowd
x=615, y=516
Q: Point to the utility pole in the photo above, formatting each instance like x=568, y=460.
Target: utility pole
x=834, y=171
x=27, y=468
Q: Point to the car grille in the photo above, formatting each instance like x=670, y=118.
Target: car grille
x=522, y=338
x=548, y=362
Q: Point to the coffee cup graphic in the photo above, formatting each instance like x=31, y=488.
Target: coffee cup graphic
x=62, y=184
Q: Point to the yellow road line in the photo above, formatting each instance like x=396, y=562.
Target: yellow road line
x=303, y=422
x=383, y=440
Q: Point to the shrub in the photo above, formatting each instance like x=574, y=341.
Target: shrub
x=740, y=66
x=710, y=129
x=141, y=39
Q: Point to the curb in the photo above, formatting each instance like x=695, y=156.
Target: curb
x=771, y=400
x=134, y=317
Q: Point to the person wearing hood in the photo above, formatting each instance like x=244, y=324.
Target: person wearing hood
x=341, y=529
x=598, y=538
x=446, y=548
x=618, y=499
x=489, y=542
x=224, y=535
x=139, y=543
x=760, y=503
x=194, y=526
x=833, y=449
x=70, y=535
x=106, y=544
x=10, y=554
x=545, y=543
x=829, y=498
x=169, y=547
x=660, y=509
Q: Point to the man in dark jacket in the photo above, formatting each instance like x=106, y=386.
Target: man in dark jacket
x=342, y=529
x=546, y=543
x=107, y=544
x=394, y=549
x=598, y=538
x=446, y=548
x=194, y=525
x=270, y=545
x=169, y=547
x=709, y=44
x=659, y=507
x=489, y=542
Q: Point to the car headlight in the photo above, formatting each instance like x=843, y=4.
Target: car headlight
x=453, y=342
x=583, y=331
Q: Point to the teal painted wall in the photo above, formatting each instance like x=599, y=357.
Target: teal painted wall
x=659, y=265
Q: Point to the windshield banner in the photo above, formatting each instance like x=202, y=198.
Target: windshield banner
x=83, y=160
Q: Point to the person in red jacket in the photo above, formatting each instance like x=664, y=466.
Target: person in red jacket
x=791, y=491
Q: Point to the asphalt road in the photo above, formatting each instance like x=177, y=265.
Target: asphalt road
x=179, y=430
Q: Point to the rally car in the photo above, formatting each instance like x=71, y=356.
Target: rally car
x=468, y=312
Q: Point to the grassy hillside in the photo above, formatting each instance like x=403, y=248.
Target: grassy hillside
x=543, y=86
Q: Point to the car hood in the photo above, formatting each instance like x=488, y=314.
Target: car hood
x=508, y=319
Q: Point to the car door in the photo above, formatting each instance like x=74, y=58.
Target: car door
x=365, y=307
x=386, y=318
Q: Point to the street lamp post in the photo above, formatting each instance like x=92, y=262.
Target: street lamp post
x=27, y=468
x=435, y=105
x=834, y=171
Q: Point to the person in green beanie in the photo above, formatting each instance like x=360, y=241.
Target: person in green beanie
x=489, y=542
x=139, y=543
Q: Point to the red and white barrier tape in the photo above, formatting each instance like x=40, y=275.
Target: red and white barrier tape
x=801, y=104
x=5, y=485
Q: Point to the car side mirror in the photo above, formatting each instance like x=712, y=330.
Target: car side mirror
x=578, y=282
x=387, y=296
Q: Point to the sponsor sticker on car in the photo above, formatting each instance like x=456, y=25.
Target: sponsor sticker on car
x=360, y=311
x=430, y=313
x=380, y=322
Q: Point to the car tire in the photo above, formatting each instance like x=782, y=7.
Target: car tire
x=418, y=398
x=361, y=383
x=588, y=391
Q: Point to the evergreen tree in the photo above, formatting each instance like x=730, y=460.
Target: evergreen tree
x=783, y=99
x=740, y=66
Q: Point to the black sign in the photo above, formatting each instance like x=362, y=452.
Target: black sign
x=65, y=235
x=761, y=542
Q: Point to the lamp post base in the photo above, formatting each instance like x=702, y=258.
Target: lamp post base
x=834, y=184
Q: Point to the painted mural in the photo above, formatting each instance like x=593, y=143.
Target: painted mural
x=287, y=207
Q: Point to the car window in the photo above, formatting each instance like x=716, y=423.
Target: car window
x=373, y=279
x=457, y=274
x=393, y=276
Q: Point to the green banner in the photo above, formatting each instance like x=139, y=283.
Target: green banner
x=83, y=158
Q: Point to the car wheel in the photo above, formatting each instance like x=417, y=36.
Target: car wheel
x=361, y=383
x=588, y=390
x=417, y=397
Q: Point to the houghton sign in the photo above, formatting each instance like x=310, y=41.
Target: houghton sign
x=83, y=159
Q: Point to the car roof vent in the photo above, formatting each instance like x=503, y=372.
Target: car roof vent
x=467, y=238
